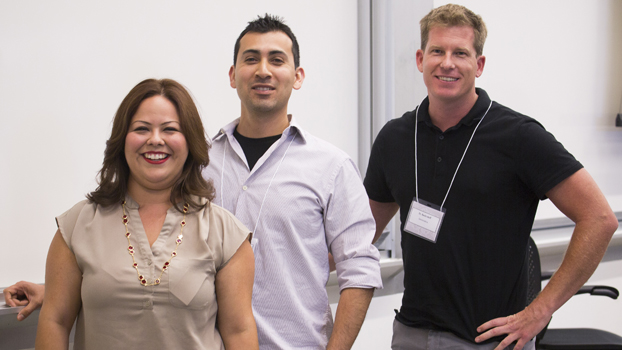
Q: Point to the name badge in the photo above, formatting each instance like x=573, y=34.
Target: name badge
x=424, y=220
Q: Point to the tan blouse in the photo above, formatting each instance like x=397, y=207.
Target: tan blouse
x=117, y=311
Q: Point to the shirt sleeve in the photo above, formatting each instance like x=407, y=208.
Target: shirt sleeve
x=375, y=179
x=66, y=222
x=230, y=230
x=543, y=161
x=350, y=229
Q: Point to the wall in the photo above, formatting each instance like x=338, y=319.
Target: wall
x=66, y=65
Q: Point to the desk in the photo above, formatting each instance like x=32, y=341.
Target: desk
x=14, y=334
x=20, y=335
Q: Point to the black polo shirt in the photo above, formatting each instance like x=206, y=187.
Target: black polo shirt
x=476, y=270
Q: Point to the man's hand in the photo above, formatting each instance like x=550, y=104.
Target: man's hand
x=521, y=328
x=24, y=294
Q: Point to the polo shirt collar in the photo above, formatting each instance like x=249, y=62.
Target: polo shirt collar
x=475, y=114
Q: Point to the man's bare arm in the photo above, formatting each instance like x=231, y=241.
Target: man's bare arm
x=383, y=213
x=580, y=199
x=351, y=311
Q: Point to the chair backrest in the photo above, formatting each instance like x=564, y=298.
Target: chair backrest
x=534, y=278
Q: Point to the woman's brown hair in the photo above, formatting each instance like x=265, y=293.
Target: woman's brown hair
x=115, y=172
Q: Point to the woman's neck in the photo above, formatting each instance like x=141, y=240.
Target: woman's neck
x=147, y=197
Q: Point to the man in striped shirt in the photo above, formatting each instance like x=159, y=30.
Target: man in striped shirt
x=301, y=197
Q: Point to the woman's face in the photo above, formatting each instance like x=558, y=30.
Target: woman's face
x=155, y=148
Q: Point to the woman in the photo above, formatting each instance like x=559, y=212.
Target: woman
x=143, y=260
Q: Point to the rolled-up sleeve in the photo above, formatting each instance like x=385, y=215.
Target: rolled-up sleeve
x=350, y=229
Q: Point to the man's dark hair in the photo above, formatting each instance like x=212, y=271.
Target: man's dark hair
x=266, y=24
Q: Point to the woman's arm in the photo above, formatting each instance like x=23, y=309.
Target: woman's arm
x=62, y=302
x=234, y=290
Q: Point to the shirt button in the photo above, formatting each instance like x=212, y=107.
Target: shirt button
x=147, y=303
x=439, y=159
x=244, y=188
x=441, y=137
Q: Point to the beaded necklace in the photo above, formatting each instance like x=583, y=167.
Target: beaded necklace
x=130, y=248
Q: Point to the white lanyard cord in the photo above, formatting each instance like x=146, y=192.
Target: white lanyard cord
x=459, y=163
x=222, y=179
x=416, y=173
x=222, y=174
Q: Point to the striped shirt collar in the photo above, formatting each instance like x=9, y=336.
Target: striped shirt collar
x=292, y=128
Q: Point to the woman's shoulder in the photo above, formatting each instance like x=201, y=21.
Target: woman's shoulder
x=74, y=212
x=67, y=221
x=222, y=215
x=226, y=232
x=216, y=209
x=82, y=212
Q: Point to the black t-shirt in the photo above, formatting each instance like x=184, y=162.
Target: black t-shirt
x=476, y=270
x=254, y=148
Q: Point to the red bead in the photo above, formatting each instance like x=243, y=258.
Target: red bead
x=178, y=240
x=174, y=254
x=130, y=248
x=157, y=281
x=143, y=282
x=135, y=265
x=166, y=263
x=128, y=234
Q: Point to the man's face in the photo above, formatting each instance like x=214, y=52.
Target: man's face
x=450, y=64
x=264, y=73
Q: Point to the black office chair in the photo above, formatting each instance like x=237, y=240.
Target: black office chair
x=568, y=338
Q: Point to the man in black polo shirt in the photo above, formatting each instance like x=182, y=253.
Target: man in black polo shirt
x=467, y=177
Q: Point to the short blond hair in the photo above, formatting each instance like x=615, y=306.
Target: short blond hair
x=452, y=15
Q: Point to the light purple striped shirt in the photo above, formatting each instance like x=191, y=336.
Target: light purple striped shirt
x=310, y=200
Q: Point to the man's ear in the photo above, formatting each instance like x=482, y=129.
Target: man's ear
x=419, y=59
x=481, y=61
x=300, y=77
x=232, y=77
